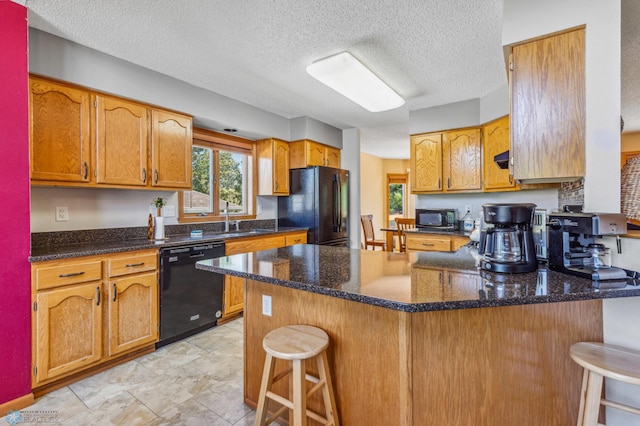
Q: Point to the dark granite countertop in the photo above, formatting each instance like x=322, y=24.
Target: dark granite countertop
x=114, y=245
x=414, y=282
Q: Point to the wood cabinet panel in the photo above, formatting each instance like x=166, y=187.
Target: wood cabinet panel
x=171, y=141
x=68, y=329
x=273, y=167
x=254, y=244
x=496, y=141
x=426, y=162
x=64, y=272
x=122, y=138
x=59, y=132
x=233, y=295
x=427, y=242
x=548, y=108
x=307, y=153
x=126, y=265
x=133, y=312
x=462, y=159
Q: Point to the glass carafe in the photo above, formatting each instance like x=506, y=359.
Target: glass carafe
x=507, y=245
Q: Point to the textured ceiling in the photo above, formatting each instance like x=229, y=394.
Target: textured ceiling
x=431, y=52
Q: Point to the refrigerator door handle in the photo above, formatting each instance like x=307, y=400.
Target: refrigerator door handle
x=339, y=203
x=336, y=205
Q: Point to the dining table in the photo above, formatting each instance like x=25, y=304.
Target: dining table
x=391, y=233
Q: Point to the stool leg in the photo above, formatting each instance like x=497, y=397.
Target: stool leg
x=265, y=386
x=592, y=399
x=328, y=396
x=583, y=395
x=299, y=394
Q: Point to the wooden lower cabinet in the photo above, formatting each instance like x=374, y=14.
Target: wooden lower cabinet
x=234, y=286
x=91, y=310
x=67, y=330
x=434, y=242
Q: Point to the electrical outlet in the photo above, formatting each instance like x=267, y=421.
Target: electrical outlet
x=266, y=305
x=62, y=214
x=467, y=208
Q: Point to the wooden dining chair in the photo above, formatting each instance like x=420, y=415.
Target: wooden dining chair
x=369, y=234
x=404, y=223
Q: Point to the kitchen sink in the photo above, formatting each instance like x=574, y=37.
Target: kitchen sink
x=245, y=233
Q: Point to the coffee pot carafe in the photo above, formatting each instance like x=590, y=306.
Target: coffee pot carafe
x=507, y=246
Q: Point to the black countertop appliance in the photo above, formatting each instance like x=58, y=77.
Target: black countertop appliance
x=318, y=200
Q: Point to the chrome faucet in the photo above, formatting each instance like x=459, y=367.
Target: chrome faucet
x=226, y=218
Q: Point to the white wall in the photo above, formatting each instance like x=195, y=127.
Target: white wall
x=309, y=128
x=350, y=160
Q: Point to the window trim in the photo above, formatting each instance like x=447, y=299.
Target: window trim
x=399, y=178
x=221, y=141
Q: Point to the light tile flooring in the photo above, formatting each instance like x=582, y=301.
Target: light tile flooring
x=196, y=381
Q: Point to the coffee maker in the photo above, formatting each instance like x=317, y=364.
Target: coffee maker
x=506, y=245
x=573, y=248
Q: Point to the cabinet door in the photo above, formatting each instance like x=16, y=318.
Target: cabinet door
x=171, y=150
x=133, y=312
x=462, y=286
x=68, y=326
x=121, y=142
x=496, y=141
x=315, y=154
x=280, y=167
x=548, y=108
x=233, y=294
x=426, y=162
x=332, y=157
x=462, y=160
x=426, y=285
x=427, y=242
x=59, y=132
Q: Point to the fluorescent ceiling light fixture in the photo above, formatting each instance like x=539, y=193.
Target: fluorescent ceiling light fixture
x=347, y=76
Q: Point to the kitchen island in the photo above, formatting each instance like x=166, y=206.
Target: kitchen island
x=423, y=338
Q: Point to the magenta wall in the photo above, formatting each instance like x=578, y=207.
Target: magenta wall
x=15, y=300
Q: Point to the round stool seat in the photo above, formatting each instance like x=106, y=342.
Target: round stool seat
x=294, y=342
x=612, y=361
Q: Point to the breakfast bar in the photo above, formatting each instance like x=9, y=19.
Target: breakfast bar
x=425, y=338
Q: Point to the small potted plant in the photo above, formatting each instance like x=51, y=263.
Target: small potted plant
x=159, y=203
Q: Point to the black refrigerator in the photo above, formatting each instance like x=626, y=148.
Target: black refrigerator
x=319, y=200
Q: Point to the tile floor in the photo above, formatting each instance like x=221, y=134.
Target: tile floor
x=196, y=381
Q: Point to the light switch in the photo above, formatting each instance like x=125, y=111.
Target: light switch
x=266, y=305
x=169, y=211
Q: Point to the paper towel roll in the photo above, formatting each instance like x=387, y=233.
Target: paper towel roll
x=159, y=228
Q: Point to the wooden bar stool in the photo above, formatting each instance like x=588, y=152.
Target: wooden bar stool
x=297, y=343
x=600, y=360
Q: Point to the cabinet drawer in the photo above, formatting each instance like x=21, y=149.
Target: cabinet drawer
x=126, y=265
x=72, y=273
x=254, y=244
x=295, y=239
x=428, y=243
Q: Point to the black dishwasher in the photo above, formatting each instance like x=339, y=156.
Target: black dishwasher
x=190, y=299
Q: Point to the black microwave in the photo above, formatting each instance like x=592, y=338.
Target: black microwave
x=437, y=219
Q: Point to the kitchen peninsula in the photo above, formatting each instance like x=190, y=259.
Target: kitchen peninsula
x=424, y=338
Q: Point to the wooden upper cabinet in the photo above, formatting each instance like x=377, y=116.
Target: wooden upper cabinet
x=307, y=153
x=548, y=108
x=496, y=141
x=273, y=167
x=59, y=131
x=121, y=142
x=462, y=159
x=426, y=162
x=171, y=140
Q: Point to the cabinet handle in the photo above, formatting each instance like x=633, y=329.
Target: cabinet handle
x=428, y=244
x=297, y=240
x=156, y=173
x=72, y=274
x=86, y=171
x=115, y=292
x=438, y=183
x=511, y=179
x=98, y=293
x=133, y=265
x=276, y=186
x=144, y=175
x=448, y=182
